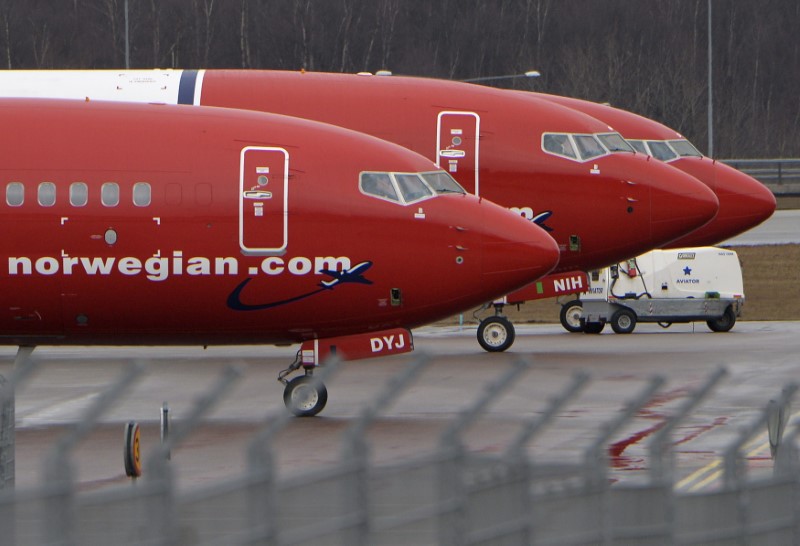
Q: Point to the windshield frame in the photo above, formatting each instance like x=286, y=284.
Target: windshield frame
x=575, y=141
x=400, y=194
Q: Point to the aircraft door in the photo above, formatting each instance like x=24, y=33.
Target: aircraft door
x=457, y=147
x=263, y=200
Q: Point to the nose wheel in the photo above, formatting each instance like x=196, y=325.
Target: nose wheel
x=496, y=334
x=305, y=395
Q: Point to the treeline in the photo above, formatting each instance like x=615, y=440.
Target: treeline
x=648, y=56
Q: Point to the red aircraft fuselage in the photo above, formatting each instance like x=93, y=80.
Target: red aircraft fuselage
x=157, y=224
x=600, y=207
x=744, y=202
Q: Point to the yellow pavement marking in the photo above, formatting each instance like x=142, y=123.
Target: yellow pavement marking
x=712, y=471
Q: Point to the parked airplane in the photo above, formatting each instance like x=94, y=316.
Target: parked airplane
x=744, y=202
x=156, y=224
x=551, y=164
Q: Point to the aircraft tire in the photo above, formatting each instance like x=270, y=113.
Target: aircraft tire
x=496, y=334
x=623, y=321
x=723, y=323
x=305, y=396
x=571, y=313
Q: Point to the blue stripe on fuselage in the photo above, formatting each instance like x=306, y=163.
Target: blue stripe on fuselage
x=186, y=87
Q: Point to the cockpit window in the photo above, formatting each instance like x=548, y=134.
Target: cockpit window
x=639, y=146
x=661, y=150
x=379, y=185
x=406, y=188
x=441, y=182
x=558, y=144
x=588, y=146
x=684, y=148
x=576, y=147
x=615, y=143
x=412, y=187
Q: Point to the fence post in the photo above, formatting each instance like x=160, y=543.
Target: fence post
x=162, y=528
x=23, y=366
x=735, y=470
x=58, y=471
x=515, y=454
x=355, y=451
x=596, y=456
x=452, y=527
x=661, y=458
x=262, y=503
x=787, y=467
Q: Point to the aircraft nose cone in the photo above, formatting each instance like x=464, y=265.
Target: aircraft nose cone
x=515, y=251
x=744, y=202
x=679, y=204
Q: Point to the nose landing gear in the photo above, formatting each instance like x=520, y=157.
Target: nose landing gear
x=496, y=333
x=305, y=395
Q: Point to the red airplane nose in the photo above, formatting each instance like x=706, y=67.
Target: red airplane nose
x=679, y=204
x=744, y=202
x=514, y=250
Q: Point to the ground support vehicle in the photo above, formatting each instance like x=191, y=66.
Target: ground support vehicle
x=662, y=286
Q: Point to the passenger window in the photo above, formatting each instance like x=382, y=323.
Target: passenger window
x=15, y=194
x=379, y=185
x=661, y=150
x=588, y=147
x=559, y=145
x=78, y=194
x=109, y=194
x=141, y=194
x=47, y=194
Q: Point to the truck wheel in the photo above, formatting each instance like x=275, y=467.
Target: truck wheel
x=723, y=323
x=623, y=321
x=571, y=313
x=496, y=334
x=593, y=327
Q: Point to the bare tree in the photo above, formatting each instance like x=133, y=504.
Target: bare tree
x=6, y=16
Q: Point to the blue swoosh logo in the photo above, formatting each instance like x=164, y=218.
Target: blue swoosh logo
x=354, y=275
x=541, y=218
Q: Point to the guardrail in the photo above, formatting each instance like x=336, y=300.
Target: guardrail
x=782, y=176
x=449, y=496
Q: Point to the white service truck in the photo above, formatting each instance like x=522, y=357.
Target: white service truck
x=662, y=286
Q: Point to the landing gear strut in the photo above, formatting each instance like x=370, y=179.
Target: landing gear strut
x=305, y=395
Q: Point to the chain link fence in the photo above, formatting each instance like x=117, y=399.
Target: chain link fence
x=449, y=496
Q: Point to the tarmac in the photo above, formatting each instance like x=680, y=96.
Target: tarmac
x=760, y=359
x=782, y=228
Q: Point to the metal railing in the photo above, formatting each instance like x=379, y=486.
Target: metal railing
x=782, y=176
x=449, y=496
